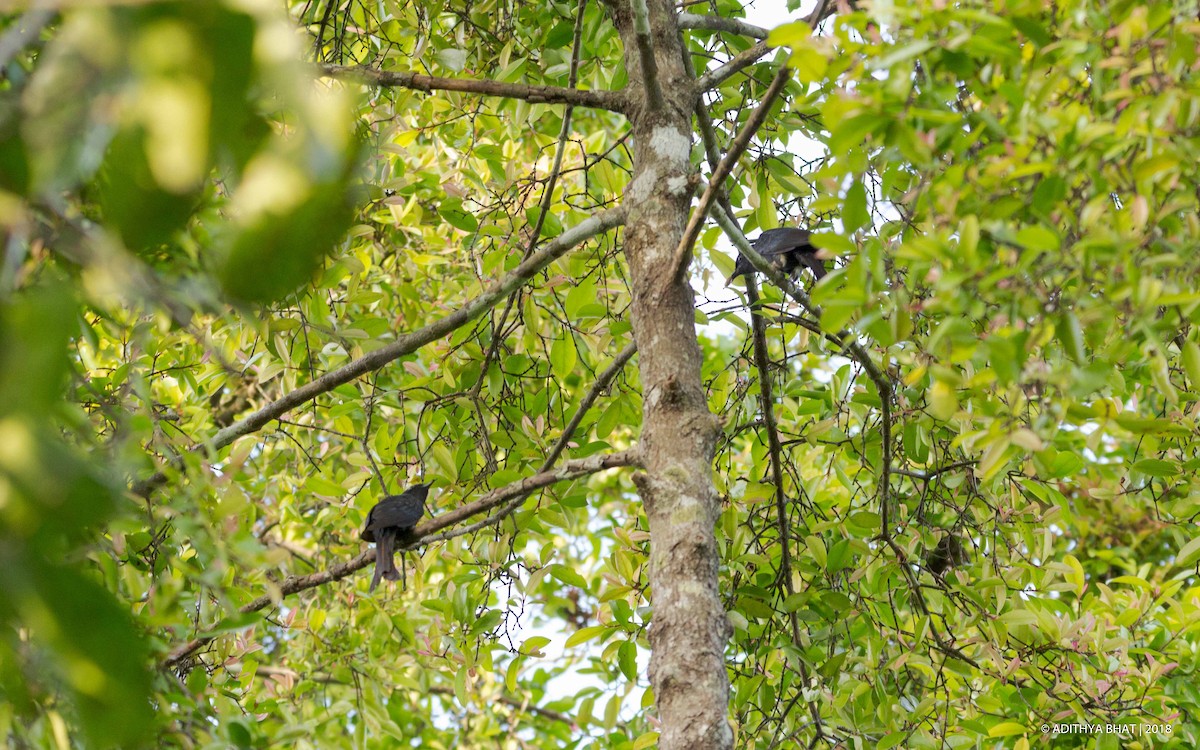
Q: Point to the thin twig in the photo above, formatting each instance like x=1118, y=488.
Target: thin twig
x=719, y=75
x=23, y=32
x=585, y=405
x=850, y=346
x=762, y=363
x=925, y=476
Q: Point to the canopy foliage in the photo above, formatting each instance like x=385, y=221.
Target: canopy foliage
x=244, y=296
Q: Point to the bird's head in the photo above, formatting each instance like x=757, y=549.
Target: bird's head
x=740, y=268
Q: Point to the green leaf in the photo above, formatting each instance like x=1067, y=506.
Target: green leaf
x=1190, y=355
x=816, y=548
x=563, y=356
x=451, y=209
x=1071, y=336
x=627, y=658
x=854, y=211
x=568, y=576
x=239, y=735
x=1007, y=729
x=809, y=62
x=943, y=402
x=901, y=54
x=1189, y=554
x=1148, y=425
x=647, y=740
x=1156, y=467
x=583, y=635
x=534, y=643
x=319, y=485
x=790, y=34
x=287, y=244
x=452, y=58
x=460, y=687
x=488, y=622
x=1038, y=238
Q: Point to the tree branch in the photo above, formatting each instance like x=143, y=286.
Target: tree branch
x=584, y=406
x=762, y=363
x=719, y=75
x=719, y=23
x=569, y=470
x=409, y=342
x=679, y=262
x=850, y=346
x=641, y=26
x=925, y=476
x=23, y=32
x=613, y=101
x=295, y=584
x=708, y=136
x=514, y=704
x=326, y=678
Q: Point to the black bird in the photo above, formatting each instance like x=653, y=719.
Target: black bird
x=948, y=553
x=390, y=524
x=787, y=248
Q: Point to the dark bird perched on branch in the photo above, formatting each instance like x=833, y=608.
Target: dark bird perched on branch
x=390, y=524
x=948, y=553
x=787, y=248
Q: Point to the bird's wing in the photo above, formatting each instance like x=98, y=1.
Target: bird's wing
x=782, y=240
x=396, y=511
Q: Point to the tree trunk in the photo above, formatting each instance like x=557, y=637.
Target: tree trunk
x=689, y=627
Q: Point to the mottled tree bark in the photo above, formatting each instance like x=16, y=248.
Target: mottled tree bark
x=689, y=628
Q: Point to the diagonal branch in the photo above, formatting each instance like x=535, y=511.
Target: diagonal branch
x=708, y=136
x=679, y=262
x=520, y=489
x=719, y=23
x=560, y=445
x=295, y=584
x=613, y=101
x=409, y=342
x=855, y=351
x=719, y=75
x=585, y=405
